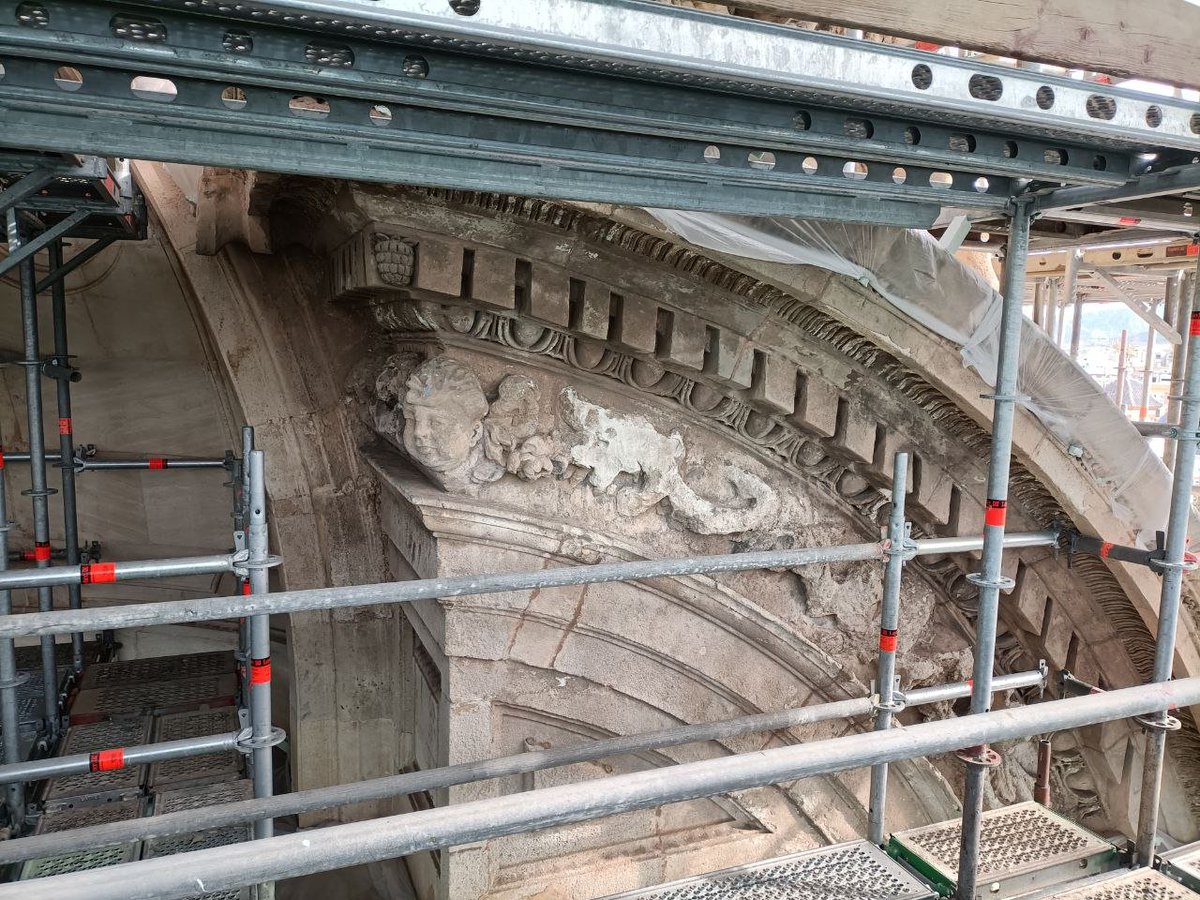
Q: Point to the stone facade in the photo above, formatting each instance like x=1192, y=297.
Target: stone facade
x=539, y=386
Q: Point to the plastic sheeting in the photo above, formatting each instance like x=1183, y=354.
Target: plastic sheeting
x=909, y=270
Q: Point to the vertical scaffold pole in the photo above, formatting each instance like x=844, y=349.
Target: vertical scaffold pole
x=889, y=627
x=66, y=440
x=37, y=465
x=989, y=580
x=240, y=540
x=260, y=647
x=1180, y=286
x=1075, y=297
x=1172, y=568
x=9, y=722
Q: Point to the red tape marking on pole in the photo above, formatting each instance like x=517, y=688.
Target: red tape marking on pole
x=41, y=551
x=158, y=463
x=1194, y=330
x=997, y=513
x=107, y=760
x=246, y=587
x=1, y=457
x=1105, y=549
x=28, y=556
x=260, y=671
x=887, y=640
x=64, y=426
x=98, y=573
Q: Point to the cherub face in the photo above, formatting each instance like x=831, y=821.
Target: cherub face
x=439, y=437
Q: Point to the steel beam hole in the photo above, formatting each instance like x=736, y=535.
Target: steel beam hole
x=380, y=115
x=465, y=7
x=761, y=159
x=981, y=184
x=1154, y=116
x=855, y=171
x=810, y=165
x=131, y=29
x=941, y=180
x=712, y=153
x=1055, y=157
x=233, y=98
x=1009, y=150
x=1101, y=107
x=415, y=67
x=1044, y=97
x=985, y=87
x=237, y=42
x=899, y=175
x=68, y=78
x=912, y=135
x=1194, y=123
x=1, y=70
x=922, y=77
x=962, y=143
x=801, y=121
x=329, y=55
x=33, y=15
x=1099, y=162
x=859, y=128
x=306, y=106
x=147, y=87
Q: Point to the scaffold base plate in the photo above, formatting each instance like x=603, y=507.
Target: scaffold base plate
x=1023, y=848
x=858, y=869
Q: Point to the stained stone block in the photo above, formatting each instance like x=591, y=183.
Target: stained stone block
x=684, y=341
x=931, y=490
x=856, y=431
x=637, y=323
x=493, y=279
x=550, y=296
x=439, y=267
x=816, y=406
x=730, y=360
x=1028, y=604
x=591, y=306
x=774, y=386
x=1057, y=638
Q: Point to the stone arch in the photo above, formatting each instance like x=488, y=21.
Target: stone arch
x=787, y=368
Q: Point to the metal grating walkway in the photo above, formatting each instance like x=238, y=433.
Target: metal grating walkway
x=1141, y=884
x=1022, y=847
x=856, y=870
x=1183, y=864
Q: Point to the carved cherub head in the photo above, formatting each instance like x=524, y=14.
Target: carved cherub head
x=444, y=407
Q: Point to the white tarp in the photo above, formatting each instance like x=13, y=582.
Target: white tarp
x=910, y=271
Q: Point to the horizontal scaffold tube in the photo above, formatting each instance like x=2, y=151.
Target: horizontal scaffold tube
x=89, y=464
x=117, y=758
x=208, y=609
x=108, y=572
x=340, y=846
x=300, y=802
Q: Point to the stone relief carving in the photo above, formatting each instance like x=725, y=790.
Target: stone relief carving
x=436, y=411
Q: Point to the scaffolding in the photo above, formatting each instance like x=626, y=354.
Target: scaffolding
x=705, y=128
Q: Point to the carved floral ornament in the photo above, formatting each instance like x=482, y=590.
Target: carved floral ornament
x=437, y=412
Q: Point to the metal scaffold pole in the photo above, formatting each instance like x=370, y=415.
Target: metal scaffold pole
x=391, y=786
x=63, y=374
x=356, y=843
x=260, y=651
x=889, y=627
x=1181, y=286
x=9, y=726
x=990, y=579
x=241, y=517
x=37, y=463
x=1172, y=568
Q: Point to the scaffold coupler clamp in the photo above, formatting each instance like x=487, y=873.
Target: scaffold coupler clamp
x=1002, y=583
x=1044, y=669
x=247, y=742
x=1153, y=723
x=979, y=755
x=242, y=564
x=907, y=548
x=16, y=681
x=895, y=706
